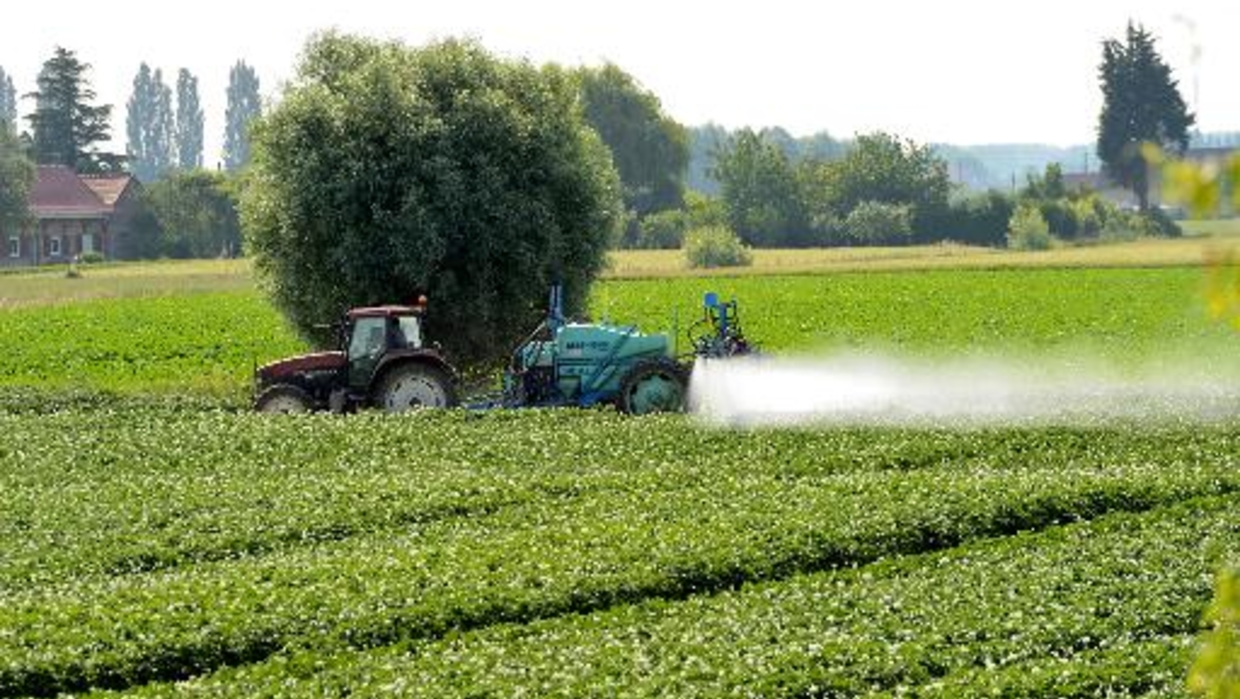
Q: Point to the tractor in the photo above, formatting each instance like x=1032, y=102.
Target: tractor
x=382, y=361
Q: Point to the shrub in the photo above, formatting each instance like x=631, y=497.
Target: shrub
x=1027, y=230
x=876, y=223
x=1159, y=223
x=715, y=246
x=705, y=210
x=1091, y=215
x=1129, y=225
x=1061, y=219
x=979, y=219
x=93, y=257
x=664, y=230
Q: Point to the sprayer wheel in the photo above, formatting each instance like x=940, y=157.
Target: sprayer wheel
x=653, y=386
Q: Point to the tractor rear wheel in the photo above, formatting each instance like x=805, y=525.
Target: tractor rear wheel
x=654, y=386
x=412, y=386
x=283, y=398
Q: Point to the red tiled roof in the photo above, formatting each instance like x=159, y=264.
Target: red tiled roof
x=58, y=192
x=108, y=188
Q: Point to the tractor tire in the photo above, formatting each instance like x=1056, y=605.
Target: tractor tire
x=283, y=398
x=414, y=386
x=653, y=386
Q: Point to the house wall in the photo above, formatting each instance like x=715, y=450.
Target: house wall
x=51, y=241
x=121, y=233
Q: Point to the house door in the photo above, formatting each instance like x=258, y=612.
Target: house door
x=88, y=242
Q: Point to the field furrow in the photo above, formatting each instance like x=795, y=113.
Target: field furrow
x=1101, y=608
x=687, y=519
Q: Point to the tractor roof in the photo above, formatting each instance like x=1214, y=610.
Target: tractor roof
x=384, y=311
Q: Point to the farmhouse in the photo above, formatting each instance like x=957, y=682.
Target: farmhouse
x=72, y=214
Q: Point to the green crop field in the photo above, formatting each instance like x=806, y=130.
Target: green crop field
x=157, y=540
x=209, y=342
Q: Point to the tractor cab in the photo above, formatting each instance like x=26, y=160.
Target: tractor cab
x=373, y=334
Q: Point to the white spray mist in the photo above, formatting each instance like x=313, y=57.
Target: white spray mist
x=878, y=389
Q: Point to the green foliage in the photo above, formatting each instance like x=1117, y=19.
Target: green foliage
x=706, y=142
x=188, y=122
x=650, y=150
x=1124, y=316
x=1047, y=186
x=149, y=125
x=244, y=106
x=979, y=219
x=165, y=543
x=8, y=102
x=1028, y=230
x=206, y=342
x=1052, y=613
x=705, y=210
x=17, y=175
x=197, y=214
x=92, y=257
x=66, y=126
x=885, y=168
x=879, y=223
x=760, y=192
x=1216, y=673
x=664, y=230
x=1141, y=104
x=1123, y=226
x=489, y=188
x=715, y=246
x=1130, y=314
x=1092, y=213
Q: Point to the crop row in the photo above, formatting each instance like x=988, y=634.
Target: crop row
x=1108, y=607
x=97, y=492
x=683, y=521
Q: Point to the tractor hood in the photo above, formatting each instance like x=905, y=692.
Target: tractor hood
x=303, y=363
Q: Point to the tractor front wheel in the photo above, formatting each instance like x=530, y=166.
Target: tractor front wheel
x=653, y=387
x=283, y=398
x=412, y=386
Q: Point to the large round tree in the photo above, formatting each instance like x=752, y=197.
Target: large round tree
x=387, y=171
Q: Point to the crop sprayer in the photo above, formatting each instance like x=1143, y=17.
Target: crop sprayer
x=384, y=361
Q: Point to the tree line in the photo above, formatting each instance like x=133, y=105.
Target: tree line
x=66, y=127
x=773, y=189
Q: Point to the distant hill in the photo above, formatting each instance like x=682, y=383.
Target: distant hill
x=991, y=166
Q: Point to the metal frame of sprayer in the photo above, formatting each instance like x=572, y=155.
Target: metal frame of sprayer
x=564, y=363
x=725, y=339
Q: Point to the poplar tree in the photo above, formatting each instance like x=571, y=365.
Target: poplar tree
x=243, y=106
x=188, y=122
x=8, y=101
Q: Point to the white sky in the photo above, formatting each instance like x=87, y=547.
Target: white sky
x=965, y=72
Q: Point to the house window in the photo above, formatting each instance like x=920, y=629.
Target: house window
x=15, y=246
x=53, y=246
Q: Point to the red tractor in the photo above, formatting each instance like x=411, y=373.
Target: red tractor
x=382, y=362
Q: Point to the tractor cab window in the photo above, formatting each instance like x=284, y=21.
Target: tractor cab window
x=368, y=338
x=408, y=332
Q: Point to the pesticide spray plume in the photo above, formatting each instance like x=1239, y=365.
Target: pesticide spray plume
x=884, y=389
